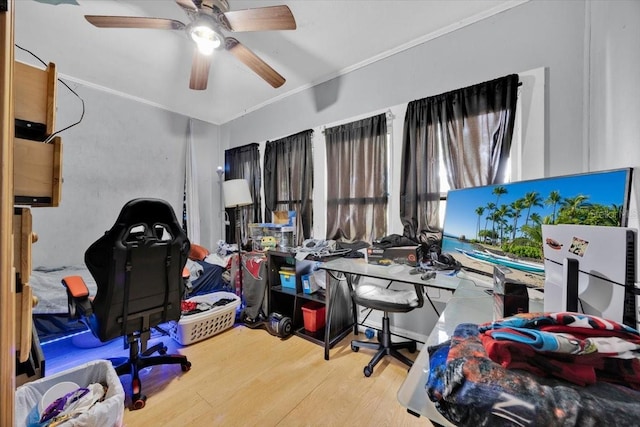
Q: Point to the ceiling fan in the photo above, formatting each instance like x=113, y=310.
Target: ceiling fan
x=208, y=19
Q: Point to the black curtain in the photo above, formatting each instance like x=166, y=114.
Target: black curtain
x=244, y=163
x=471, y=129
x=357, y=181
x=288, y=180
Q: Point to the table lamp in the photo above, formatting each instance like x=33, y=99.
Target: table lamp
x=236, y=195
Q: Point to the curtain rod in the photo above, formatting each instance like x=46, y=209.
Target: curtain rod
x=387, y=113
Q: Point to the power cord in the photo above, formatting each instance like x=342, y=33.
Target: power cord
x=46, y=141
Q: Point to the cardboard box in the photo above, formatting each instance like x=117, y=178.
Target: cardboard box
x=409, y=255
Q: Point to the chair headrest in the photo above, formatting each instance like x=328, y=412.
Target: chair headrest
x=150, y=212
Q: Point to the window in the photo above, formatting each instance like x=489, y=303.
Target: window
x=357, y=180
x=288, y=180
x=244, y=162
x=461, y=138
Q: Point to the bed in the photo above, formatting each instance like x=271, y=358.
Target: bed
x=207, y=273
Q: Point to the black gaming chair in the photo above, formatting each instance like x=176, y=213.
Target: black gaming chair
x=137, y=266
x=386, y=300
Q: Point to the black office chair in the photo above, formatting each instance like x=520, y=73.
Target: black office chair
x=138, y=268
x=388, y=301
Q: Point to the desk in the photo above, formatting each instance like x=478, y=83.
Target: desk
x=358, y=267
x=469, y=304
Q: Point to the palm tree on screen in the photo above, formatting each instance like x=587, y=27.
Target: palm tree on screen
x=516, y=208
x=553, y=200
x=530, y=200
x=479, y=212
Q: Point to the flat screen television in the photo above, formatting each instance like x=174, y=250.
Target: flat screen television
x=502, y=224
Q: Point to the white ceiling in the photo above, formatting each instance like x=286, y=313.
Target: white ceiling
x=332, y=38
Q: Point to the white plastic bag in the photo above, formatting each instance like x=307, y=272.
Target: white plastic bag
x=108, y=413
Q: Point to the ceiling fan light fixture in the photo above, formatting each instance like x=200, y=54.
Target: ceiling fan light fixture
x=206, y=38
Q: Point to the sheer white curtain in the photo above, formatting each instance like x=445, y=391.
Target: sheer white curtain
x=191, y=190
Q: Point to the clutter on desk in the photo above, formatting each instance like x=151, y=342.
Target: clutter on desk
x=409, y=255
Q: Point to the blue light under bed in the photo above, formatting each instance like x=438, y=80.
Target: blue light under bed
x=81, y=347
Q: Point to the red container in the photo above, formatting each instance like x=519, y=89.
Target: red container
x=313, y=314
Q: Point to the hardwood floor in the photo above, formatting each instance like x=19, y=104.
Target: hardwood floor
x=248, y=377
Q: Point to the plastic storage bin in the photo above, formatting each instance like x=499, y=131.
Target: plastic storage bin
x=309, y=285
x=287, y=279
x=313, y=315
x=108, y=413
x=196, y=327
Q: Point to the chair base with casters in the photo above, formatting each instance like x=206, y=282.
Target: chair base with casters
x=385, y=347
x=388, y=301
x=138, y=360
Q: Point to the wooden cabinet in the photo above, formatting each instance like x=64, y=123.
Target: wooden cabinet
x=37, y=181
x=289, y=301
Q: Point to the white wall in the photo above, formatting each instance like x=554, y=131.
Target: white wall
x=613, y=114
x=121, y=150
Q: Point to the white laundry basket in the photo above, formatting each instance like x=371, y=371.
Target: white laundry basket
x=108, y=413
x=196, y=327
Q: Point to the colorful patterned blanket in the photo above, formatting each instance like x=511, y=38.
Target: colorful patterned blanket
x=537, y=379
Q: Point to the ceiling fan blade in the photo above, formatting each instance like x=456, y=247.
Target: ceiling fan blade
x=134, y=22
x=259, y=19
x=199, y=70
x=187, y=5
x=215, y=6
x=251, y=60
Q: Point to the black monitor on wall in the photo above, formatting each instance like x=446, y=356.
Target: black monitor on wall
x=502, y=224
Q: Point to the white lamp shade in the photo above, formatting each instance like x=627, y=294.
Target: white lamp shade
x=236, y=193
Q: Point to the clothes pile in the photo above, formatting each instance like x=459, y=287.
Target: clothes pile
x=538, y=369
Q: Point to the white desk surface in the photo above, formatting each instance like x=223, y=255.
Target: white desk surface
x=395, y=272
x=469, y=304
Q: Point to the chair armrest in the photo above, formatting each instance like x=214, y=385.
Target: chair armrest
x=419, y=292
x=77, y=297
